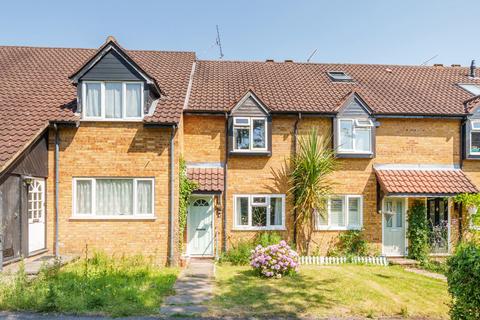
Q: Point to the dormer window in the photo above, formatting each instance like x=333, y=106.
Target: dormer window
x=475, y=137
x=109, y=100
x=249, y=134
x=355, y=135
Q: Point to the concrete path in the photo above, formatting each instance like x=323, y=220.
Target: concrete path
x=33, y=265
x=427, y=273
x=193, y=288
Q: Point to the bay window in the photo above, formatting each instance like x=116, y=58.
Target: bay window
x=249, y=134
x=104, y=100
x=343, y=213
x=259, y=212
x=355, y=135
x=113, y=197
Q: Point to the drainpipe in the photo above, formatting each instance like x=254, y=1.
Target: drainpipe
x=295, y=134
x=171, y=258
x=225, y=180
x=462, y=152
x=57, y=179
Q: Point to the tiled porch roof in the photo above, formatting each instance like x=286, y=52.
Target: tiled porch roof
x=208, y=179
x=425, y=182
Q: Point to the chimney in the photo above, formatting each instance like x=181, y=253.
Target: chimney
x=456, y=65
x=472, y=69
x=438, y=65
x=288, y=60
x=269, y=60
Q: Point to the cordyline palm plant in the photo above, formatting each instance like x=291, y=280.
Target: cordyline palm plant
x=310, y=185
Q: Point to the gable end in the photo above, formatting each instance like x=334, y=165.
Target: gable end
x=112, y=67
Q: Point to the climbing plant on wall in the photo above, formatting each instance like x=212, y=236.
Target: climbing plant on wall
x=418, y=233
x=186, y=188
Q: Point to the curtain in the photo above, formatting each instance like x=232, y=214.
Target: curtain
x=113, y=100
x=354, y=212
x=144, y=197
x=92, y=97
x=275, y=211
x=134, y=95
x=242, y=138
x=84, y=197
x=259, y=133
x=114, y=197
x=242, y=211
x=336, y=212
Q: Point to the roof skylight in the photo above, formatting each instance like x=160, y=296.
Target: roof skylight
x=472, y=88
x=339, y=76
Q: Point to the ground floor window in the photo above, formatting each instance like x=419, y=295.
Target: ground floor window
x=258, y=212
x=343, y=212
x=113, y=196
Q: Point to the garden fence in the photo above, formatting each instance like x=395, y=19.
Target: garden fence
x=380, y=261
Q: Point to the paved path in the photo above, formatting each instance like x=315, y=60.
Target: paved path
x=427, y=273
x=193, y=288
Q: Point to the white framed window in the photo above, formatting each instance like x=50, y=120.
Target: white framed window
x=474, y=136
x=259, y=212
x=112, y=100
x=249, y=134
x=355, y=135
x=344, y=212
x=113, y=197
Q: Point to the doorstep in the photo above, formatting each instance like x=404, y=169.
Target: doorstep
x=402, y=261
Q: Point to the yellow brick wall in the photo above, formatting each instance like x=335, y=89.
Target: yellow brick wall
x=398, y=141
x=111, y=150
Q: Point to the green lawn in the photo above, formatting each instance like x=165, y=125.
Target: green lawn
x=347, y=290
x=102, y=285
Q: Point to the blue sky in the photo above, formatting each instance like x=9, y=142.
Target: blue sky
x=355, y=31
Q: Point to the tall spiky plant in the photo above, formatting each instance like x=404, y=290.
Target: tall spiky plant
x=312, y=164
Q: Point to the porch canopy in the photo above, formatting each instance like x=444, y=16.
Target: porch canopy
x=208, y=180
x=423, y=182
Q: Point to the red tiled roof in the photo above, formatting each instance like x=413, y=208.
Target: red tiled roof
x=35, y=89
x=208, y=179
x=306, y=87
x=425, y=181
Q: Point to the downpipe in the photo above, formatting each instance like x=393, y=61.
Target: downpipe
x=171, y=254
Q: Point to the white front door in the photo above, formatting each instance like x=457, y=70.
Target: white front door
x=200, y=227
x=393, y=213
x=36, y=215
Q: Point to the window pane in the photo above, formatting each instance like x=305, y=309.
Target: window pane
x=113, y=100
x=362, y=139
x=389, y=219
x=259, y=216
x=475, y=142
x=321, y=218
x=144, y=197
x=84, y=197
x=336, y=212
x=399, y=215
x=114, y=197
x=134, y=100
x=275, y=211
x=346, y=135
x=92, y=100
x=242, y=211
x=241, y=138
x=354, y=212
x=262, y=200
x=259, y=134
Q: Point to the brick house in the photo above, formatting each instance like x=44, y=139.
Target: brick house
x=91, y=142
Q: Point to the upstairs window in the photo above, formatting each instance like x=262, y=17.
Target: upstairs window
x=249, y=134
x=475, y=137
x=355, y=135
x=339, y=76
x=472, y=88
x=113, y=100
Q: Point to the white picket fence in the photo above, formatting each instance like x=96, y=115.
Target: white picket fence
x=379, y=261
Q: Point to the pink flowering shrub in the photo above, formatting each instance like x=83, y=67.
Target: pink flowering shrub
x=275, y=260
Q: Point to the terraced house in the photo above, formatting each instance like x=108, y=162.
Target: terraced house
x=91, y=143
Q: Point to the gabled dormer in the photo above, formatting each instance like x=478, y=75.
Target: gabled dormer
x=111, y=86
x=471, y=129
x=250, y=127
x=354, y=129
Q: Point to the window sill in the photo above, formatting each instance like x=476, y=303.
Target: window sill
x=251, y=153
x=259, y=229
x=338, y=228
x=112, y=120
x=354, y=155
x=117, y=218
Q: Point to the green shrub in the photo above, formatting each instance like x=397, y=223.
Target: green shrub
x=239, y=253
x=464, y=282
x=434, y=266
x=418, y=233
x=350, y=243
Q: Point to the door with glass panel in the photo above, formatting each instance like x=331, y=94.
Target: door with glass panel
x=437, y=215
x=200, y=227
x=36, y=215
x=394, y=226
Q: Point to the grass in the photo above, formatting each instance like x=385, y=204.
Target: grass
x=349, y=290
x=100, y=285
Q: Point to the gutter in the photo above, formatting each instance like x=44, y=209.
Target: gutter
x=225, y=181
x=171, y=253
x=295, y=135
x=57, y=179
